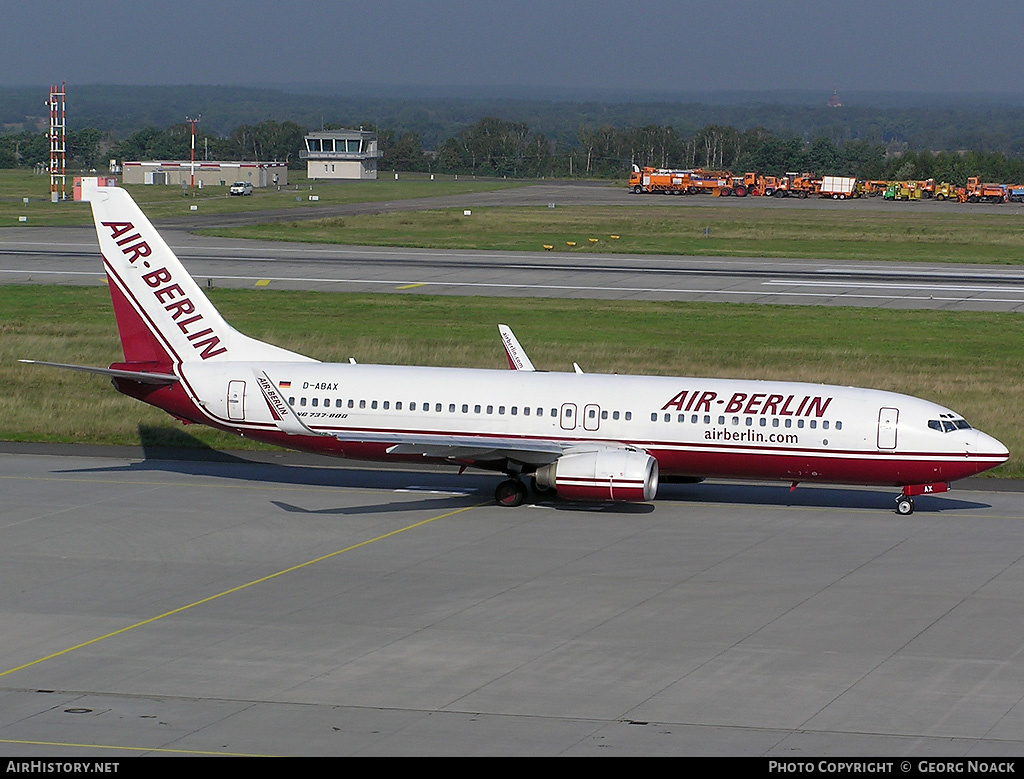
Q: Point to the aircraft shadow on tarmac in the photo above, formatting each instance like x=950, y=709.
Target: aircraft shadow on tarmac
x=189, y=456
x=441, y=502
x=327, y=475
x=825, y=497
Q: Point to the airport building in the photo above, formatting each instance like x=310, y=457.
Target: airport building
x=341, y=154
x=259, y=174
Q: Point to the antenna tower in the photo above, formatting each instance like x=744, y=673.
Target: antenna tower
x=58, y=144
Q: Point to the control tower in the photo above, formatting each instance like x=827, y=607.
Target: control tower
x=341, y=154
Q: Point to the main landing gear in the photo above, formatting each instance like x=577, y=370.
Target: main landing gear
x=904, y=505
x=511, y=493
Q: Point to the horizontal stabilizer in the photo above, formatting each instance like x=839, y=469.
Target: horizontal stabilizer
x=144, y=377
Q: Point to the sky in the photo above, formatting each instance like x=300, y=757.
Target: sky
x=589, y=45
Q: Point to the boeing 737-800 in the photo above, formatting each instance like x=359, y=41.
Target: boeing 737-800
x=582, y=436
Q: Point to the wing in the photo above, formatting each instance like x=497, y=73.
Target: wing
x=484, y=449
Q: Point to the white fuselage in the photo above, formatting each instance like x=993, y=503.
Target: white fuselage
x=693, y=427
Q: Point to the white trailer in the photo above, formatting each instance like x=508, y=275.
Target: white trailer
x=838, y=187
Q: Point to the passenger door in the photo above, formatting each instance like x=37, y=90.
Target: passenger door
x=236, y=400
x=887, y=423
x=568, y=416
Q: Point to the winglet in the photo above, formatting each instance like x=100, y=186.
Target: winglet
x=517, y=359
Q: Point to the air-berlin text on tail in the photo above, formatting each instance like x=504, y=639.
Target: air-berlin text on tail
x=168, y=294
x=754, y=403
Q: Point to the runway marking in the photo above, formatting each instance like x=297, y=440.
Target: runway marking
x=892, y=285
x=239, y=588
x=762, y=293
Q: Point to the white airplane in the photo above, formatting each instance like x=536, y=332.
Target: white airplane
x=582, y=436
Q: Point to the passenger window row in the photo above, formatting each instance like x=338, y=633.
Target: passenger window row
x=747, y=421
x=438, y=408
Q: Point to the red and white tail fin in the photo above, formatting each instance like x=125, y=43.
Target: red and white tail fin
x=163, y=316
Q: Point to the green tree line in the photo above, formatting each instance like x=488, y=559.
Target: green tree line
x=495, y=147
x=499, y=147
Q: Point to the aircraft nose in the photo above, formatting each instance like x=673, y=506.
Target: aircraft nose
x=988, y=446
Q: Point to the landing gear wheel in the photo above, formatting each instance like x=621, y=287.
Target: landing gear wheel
x=904, y=505
x=511, y=493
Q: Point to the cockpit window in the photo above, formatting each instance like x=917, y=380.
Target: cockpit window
x=948, y=425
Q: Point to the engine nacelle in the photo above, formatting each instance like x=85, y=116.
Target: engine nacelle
x=605, y=474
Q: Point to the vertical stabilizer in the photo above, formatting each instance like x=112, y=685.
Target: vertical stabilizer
x=162, y=314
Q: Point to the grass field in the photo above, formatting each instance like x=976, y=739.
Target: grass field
x=992, y=234
x=900, y=234
x=969, y=361
x=161, y=202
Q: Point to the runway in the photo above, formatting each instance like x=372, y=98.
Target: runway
x=288, y=605
x=70, y=256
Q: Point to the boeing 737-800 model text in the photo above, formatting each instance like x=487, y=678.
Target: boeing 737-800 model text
x=584, y=436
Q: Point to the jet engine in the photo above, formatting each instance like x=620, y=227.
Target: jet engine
x=604, y=474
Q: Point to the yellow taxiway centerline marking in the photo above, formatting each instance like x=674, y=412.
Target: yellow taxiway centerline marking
x=162, y=750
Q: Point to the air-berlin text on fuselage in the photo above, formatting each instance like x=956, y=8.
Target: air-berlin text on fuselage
x=178, y=305
x=750, y=403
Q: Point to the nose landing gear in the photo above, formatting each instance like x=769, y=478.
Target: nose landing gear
x=905, y=502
